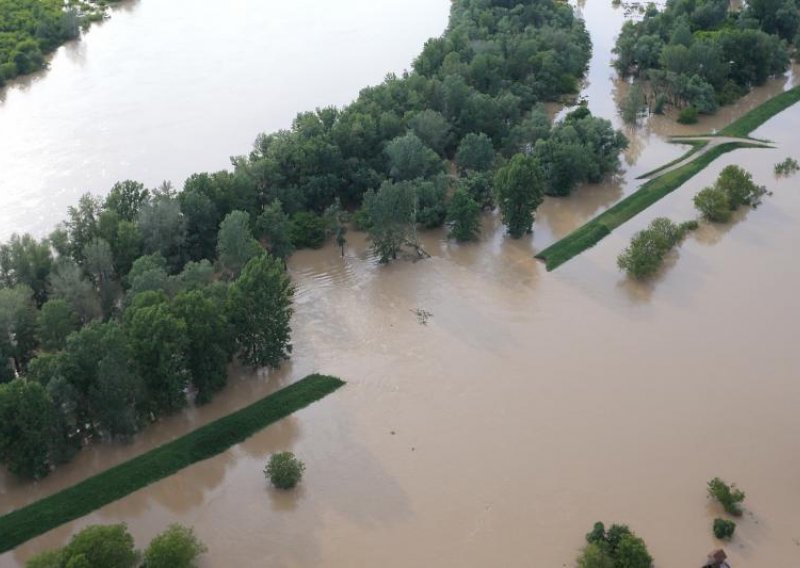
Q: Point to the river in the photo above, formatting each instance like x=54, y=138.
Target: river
x=531, y=405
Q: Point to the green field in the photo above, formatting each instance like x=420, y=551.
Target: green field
x=598, y=228
x=205, y=442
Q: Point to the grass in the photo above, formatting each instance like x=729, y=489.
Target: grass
x=598, y=228
x=205, y=442
x=601, y=226
x=746, y=124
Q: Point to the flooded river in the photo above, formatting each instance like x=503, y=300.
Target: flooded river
x=531, y=405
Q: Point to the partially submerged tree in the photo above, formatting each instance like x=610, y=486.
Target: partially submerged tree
x=519, y=190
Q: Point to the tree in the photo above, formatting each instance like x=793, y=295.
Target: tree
x=176, y=547
x=729, y=496
x=633, y=104
x=713, y=204
x=594, y=556
x=739, y=187
x=24, y=260
x=194, y=276
x=202, y=223
x=273, y=226
x=159, y=341
x=284, y=470
x=392, y=212
x=26, y=425
x=117, y=397
x=648, y=248
x=82, y=225
x=102, y=546
x=410, y=158
x=433, y=129
x=126, y=198
x=475, y=153
x=163, y=229
x=307, y=230
x=99, y=265
x=519, y=189
x=55, y=322
x=235, y=244
x=67, y=283
x=724, y=529
x=17, y=330
x=259, y=308
x=210, y=345
x=618, y=547
x=464, y=217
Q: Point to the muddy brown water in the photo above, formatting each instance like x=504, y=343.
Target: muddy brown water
x=531, y=405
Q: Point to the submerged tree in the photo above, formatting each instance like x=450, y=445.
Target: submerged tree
x=519, y=190
x=464, y=217
x=392, y=211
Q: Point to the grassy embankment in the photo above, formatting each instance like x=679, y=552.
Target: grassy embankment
x=205, y=442
x=598, y=228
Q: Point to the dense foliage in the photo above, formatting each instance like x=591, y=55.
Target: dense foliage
x=702, y=53
x=734, y=188
x=205, y=442
x=104, y=546
x=617, y=547
x=724, y=529
x=729, y=496
x=648, y=248
x=30, y=29
x=284, y=470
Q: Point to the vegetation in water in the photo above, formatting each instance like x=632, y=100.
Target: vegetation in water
x=703, y=54
x=207, y=441
x=729, y=496
x=617, y=547
x=734, y=188
x=787, y=167
x=30, y=29
x=724, y=529
x=284, y=470
x=103, y=546
x=648, y=248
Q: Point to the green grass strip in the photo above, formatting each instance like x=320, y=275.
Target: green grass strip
x=205, y=442
x=762, y=113
x=601, y=226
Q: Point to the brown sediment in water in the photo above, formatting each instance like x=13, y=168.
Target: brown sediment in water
x=530, y=406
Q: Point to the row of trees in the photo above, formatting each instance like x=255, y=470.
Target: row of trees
x=104, y=546
x=98, y=339
x=30, y=29
x=647, y=250
x=699, y=53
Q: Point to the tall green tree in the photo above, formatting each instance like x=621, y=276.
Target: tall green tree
x=410, y=158
x=176, y=547
x=519, y=189
x=117, y=397
x=235, y=244
x=26, y=423
x=55, y=322
x=463, y=215
x=260, y=310
x=17, y=330
x=24, y=260
x=274, y=227
x=126, y=198
x=392, y=211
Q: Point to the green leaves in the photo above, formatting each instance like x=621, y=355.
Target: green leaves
x=520, y=191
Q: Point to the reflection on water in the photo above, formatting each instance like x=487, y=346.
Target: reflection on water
x=530, y=405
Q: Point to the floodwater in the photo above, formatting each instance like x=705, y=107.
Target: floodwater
x=531, y=405
x=165, y=89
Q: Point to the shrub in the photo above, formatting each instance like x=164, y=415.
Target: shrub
x=618, y=547
x=361, y=220
x=176, y=547
x=713, y=204
x=661, y=102
x=307, y=230
x=284, y=470
x=649, y=247
x=724, y=529
x=688, y=115
x=787, y=167
x=728, y=495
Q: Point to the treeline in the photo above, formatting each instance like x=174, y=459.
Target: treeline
x=701, y=54
x=143, y=297
x=30, y=29
x=104, y=327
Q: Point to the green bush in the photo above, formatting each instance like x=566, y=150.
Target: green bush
x=361, y=220
x=618, y=547
x=649, y=247
x=724, y=529
x=688, y=115
x=307, y=230
x=787, y=167
x=176, y=547
x=727, y=495
x=284, y=470
x=713, y=204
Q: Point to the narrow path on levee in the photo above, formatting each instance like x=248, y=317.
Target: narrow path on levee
x=711, y=142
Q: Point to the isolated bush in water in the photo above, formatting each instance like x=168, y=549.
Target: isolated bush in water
x=648, y=247
x=176, y=547
x=724, y=529
x=284, y=470
x=734, y=187
x=713, y=204
x=729, y=496
x=617, y=547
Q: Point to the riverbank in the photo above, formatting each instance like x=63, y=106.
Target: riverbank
x=205, y=442
x=670, y=179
